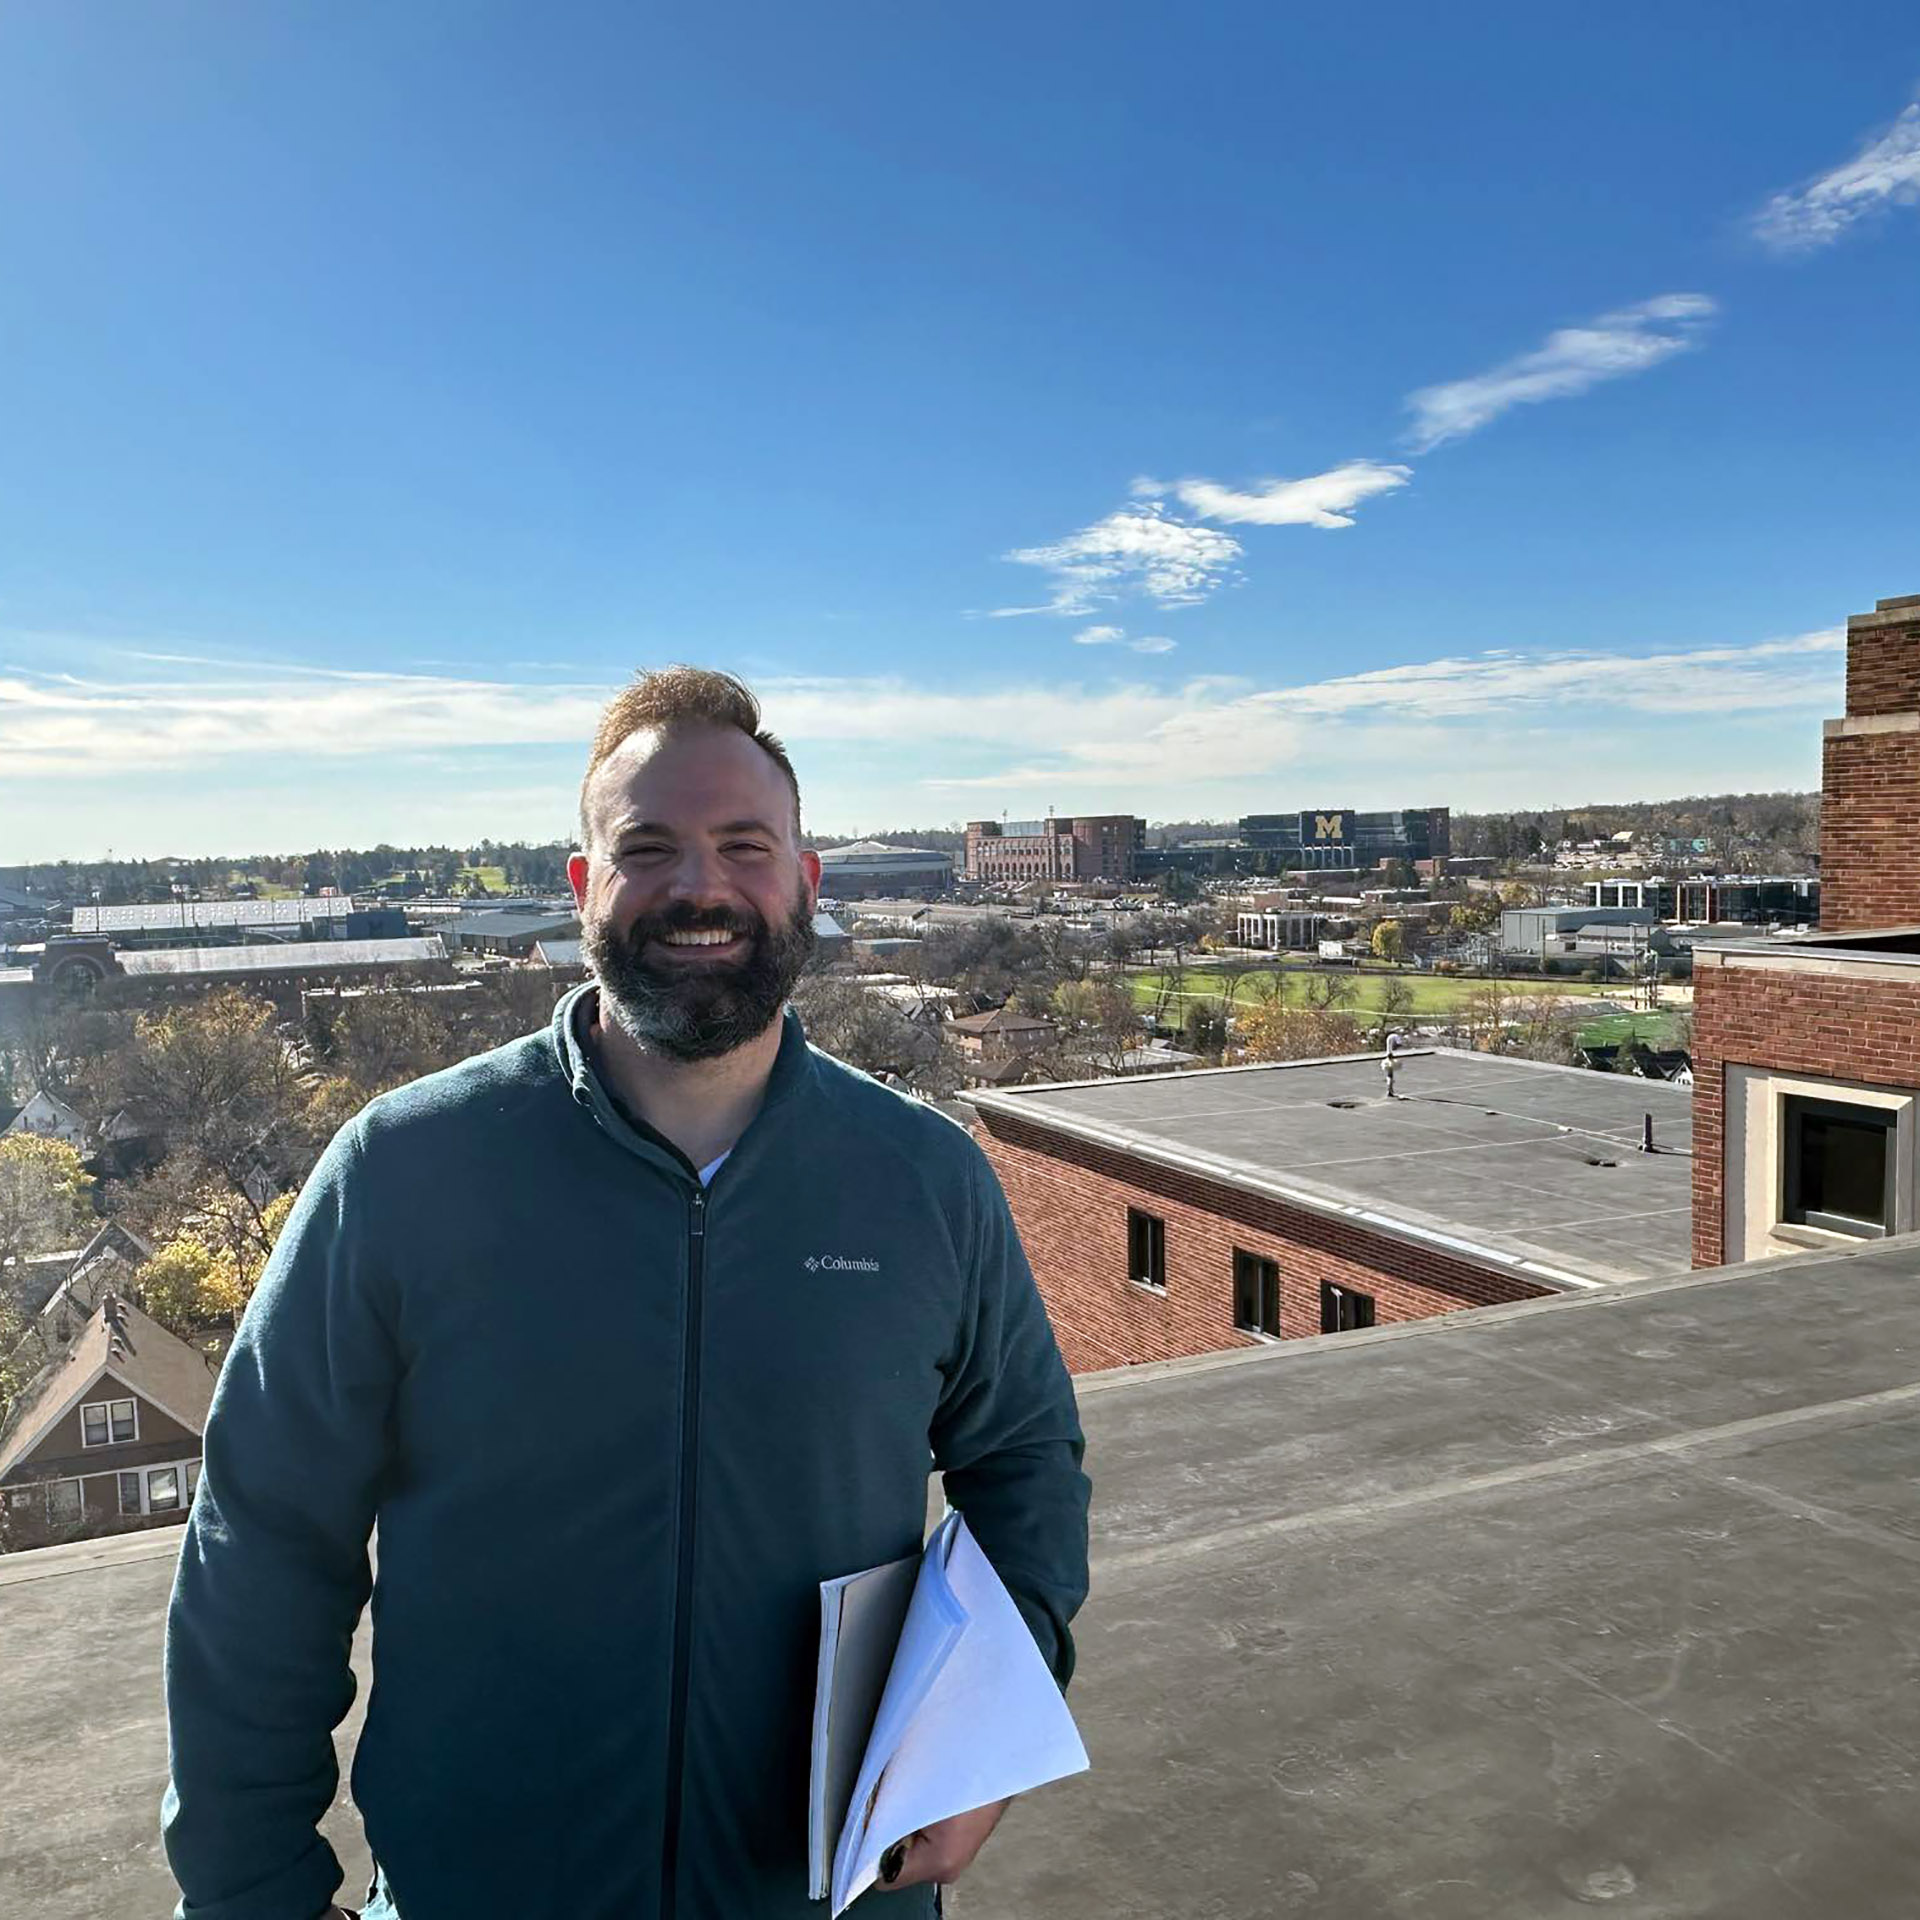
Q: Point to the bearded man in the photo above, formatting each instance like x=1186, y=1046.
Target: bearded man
x=625, y=1335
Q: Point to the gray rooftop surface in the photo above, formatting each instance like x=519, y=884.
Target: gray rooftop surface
x=283, y=957
x=1600, y=1601
x=1497, y=1156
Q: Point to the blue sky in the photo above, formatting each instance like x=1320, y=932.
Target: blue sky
x=1107, y=407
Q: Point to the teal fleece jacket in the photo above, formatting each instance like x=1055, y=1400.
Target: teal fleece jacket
x=614, y=1430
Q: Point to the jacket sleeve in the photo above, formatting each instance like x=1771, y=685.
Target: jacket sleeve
x=274, y=1568
x=1007, y=1434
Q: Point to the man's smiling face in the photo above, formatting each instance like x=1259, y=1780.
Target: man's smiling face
x=696, y=901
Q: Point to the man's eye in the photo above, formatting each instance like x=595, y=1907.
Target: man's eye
x=745, y=846
x=645, y=852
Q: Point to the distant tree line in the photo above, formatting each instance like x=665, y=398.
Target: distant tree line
x=1742, y=832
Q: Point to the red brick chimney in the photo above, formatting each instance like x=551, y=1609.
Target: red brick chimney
x=1870, y=813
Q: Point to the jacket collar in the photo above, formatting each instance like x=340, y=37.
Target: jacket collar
x=793, y=1069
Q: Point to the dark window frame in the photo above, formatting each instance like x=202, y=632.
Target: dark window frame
x=1256, y=1293
x=1796, y=1110
x=1146, y=1249
x=138, y=1503
x=1345, y=1309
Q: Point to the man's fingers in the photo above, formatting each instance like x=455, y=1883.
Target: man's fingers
x=921, y=1862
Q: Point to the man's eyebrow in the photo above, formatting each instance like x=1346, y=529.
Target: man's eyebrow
x=623, y=828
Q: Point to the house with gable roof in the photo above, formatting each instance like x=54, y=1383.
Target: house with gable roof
x=108, y=1438
x=51, y=1118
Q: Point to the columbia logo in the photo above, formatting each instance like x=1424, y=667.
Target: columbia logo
x=838, y=1263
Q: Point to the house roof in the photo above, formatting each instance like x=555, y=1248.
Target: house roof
x=558, y=953
x=1593, y=1605
x=1000, y=1020
x=1531, y=1168
x=140, y=1353
x=42, y=1107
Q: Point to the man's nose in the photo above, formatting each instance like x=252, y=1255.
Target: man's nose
x=700, y=879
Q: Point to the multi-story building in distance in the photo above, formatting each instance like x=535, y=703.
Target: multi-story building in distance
x=1098, y=846
x=1791, y=900
x=1344, y=837
x=877, y=870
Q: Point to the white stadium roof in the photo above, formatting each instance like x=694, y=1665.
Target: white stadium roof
x=188, y=914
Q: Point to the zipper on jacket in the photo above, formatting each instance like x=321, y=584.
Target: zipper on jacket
x=683, y=1581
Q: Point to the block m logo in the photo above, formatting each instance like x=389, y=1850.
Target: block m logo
x=1329, y=826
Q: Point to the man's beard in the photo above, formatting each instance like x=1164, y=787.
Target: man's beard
x=698, y=1010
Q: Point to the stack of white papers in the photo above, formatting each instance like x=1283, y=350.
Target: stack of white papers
x=932, y=1699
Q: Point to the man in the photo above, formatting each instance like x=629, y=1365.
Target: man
x=626, y=1335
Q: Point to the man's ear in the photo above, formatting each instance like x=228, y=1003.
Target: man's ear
x=810, y=867
x=577, y=877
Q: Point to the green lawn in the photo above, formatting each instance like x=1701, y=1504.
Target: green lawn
x=1619, y=1029
x=1433, y=995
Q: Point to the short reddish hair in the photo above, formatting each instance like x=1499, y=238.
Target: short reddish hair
x=680, y=696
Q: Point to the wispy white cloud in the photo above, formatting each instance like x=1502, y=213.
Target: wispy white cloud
x=174, y=765
x=1215, y=729
x=57, y=725
x=1884, y=173
x=1571, y=361
x=1135, y=550
x=1117, y=637
x=1322, y=500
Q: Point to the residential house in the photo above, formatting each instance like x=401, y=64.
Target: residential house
x=996, y=1048
x=50, y=1117
x=107, y=1440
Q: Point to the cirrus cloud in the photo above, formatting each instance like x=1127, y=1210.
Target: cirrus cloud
x=1884, y=173
x=1141, y=550
x=1322, y=500
x=1569, y=362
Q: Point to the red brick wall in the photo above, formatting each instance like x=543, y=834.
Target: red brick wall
x=1070, y=1202
x=1870, y=832
x=1870, y=813
x=1883, y=658
x=1788, y=1021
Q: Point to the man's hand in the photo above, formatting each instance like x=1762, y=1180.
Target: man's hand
x=945, y=1850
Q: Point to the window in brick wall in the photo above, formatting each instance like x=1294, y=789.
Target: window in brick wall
x=1256, y=1294
x=1146, y=1249
x=1342, y=1309
x=1837, y=1166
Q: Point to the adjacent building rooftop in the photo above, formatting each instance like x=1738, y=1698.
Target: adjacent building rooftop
x=1536, y=1167
x=1593, y=1603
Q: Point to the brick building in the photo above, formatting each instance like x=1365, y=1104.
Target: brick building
x=1061, y=847
x=1221, y=1209
x=1807, y=1053
x=1870, y=803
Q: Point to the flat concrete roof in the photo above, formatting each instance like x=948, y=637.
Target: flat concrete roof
x=1532, y=1167
x=1593, y=1602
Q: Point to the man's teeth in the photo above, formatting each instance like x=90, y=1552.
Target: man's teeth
x=709, y=938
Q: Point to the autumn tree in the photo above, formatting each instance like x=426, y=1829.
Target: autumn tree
x=866, y=1030
x=1390, y=942
x=230, y=1098
x=208, y=1272
x=43, y=1196
x=1272, y=1030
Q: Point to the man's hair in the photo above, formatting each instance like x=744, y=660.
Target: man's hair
x=666, y=697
